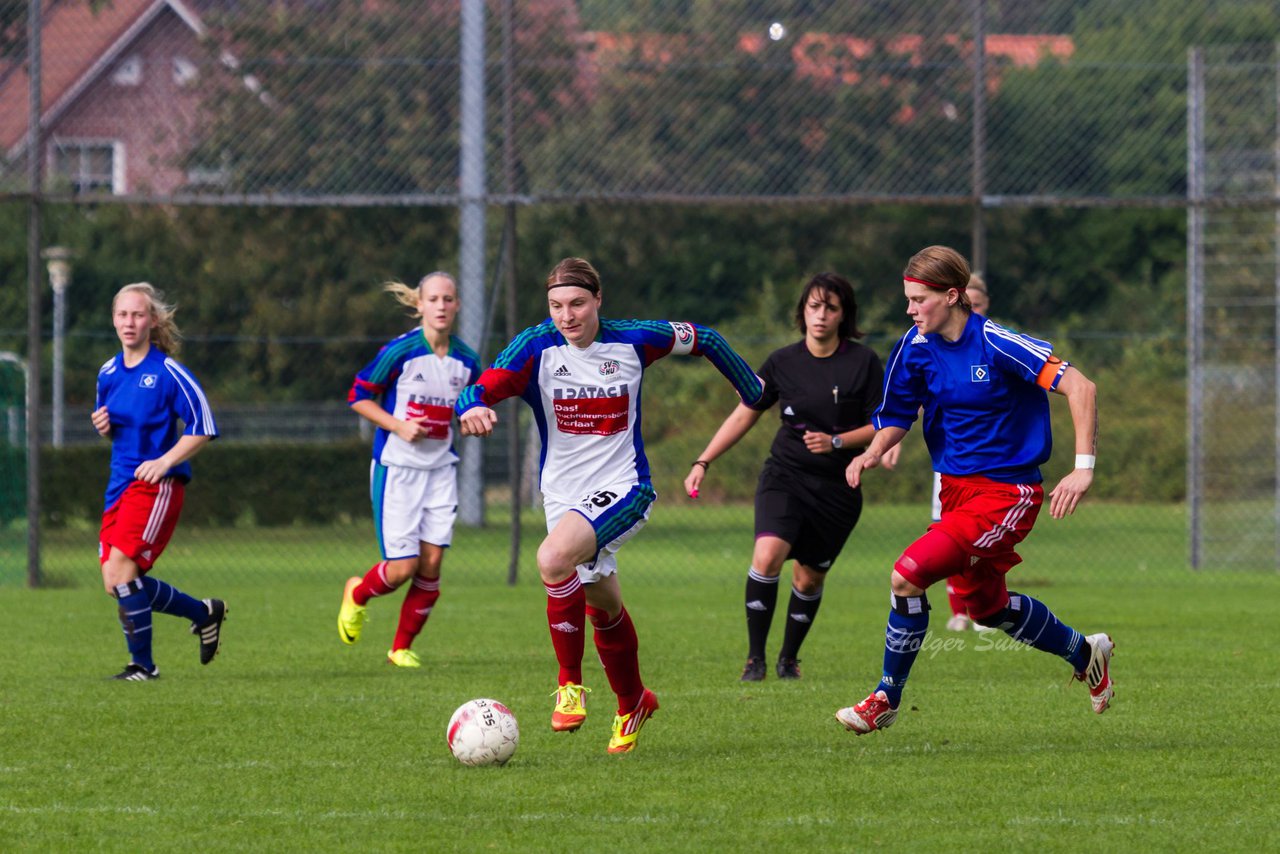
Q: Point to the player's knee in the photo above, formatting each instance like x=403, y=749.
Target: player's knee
x=808, y=586
x=806, y=581
x=400, y=571
x=554, y=565
x=899, y=582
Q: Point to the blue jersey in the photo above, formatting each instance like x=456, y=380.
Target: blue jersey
x=586, y=401
x=986, y=411
x=145, y=404
x=414, y=382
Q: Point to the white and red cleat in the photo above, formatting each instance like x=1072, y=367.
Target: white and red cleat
x=1097, y=675
x=871, y=714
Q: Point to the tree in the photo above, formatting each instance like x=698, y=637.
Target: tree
x=361, y=99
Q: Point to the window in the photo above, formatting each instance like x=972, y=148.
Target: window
x=210, y=174
x=88, y=166
x=184, y=71
x=128, y=72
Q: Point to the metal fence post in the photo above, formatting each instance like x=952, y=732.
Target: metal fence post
x=978, y=250
x=35, y=280
x=472, y=238
x=1275, y=248
x=1195, y=297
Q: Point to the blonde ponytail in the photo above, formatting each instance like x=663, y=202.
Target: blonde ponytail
x=405, y=295
x=408, y=297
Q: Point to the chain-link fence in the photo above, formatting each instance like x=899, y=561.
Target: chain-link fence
x=359, y=103
x=962, y=111
x=1234, y=282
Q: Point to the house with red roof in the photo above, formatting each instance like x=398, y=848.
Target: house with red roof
x=118, y=99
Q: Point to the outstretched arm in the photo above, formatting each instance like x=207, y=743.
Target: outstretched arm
x=716, y=350
x=737, y=425
x=1082, y=398
x=508, y=377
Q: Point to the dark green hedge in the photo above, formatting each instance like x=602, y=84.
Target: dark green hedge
x=234, y=484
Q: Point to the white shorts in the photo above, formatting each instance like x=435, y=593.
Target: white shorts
x=616, y=513
x=413, y=506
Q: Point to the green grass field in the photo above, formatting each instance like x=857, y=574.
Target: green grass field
x=291, y=741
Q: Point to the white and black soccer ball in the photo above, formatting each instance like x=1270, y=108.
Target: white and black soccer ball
x=483, y=732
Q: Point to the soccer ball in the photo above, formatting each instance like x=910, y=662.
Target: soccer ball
x=483, y=732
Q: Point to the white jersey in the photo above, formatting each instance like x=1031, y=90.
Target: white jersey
x=413, y=382
x=586, y=401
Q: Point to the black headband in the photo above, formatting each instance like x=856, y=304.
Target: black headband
x=594, y=290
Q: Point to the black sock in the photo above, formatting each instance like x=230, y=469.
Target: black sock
x=802, y=610
x=762, y=598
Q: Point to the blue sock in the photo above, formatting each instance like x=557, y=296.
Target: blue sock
x=135, y=619
x=168, y=599
x=1031, y=622
x=903, y=636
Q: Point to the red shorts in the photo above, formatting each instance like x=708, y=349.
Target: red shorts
x=973, y=545
x=141, y=522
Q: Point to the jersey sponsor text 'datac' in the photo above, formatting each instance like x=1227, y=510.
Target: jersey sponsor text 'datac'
x=587, y=402
x=411, y=382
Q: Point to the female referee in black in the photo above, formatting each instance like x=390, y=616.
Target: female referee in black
x=827, y=386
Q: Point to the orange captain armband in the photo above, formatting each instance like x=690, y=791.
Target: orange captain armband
x=1052, y=371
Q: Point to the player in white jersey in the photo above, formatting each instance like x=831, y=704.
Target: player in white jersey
x=581, y=375
x=408, y=391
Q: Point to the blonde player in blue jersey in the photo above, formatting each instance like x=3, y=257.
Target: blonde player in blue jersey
x=983, y=390
x=408, y=392
x=581, y=375
x=143, y=397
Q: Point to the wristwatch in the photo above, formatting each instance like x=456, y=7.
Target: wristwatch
x=837, y=442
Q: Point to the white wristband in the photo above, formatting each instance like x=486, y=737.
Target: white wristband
x=1085, y=461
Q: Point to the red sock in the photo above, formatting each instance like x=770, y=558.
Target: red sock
x=567, y=620
x=418, y=602
x=956, y=603
x=619, y=650
x=374, y=584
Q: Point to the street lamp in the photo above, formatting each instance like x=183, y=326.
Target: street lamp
x=58, y=261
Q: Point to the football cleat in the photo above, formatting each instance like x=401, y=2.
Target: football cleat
x=210, y=631
x=960, y=623
x=1097, y=675
x=137, y=673
x=404, y=658
x=753, y=671
x=871, y=714
x=351, y=616
x=626, y=728
x=788, y=668
x=571, y=707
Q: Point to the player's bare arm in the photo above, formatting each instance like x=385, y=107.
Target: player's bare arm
x=884, y=439
x=409, y=429
x=735, y=426
x=153, y=471
x=820, y=443
x=1082, y=399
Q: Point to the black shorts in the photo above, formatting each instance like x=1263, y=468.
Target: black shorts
x=814, y=514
